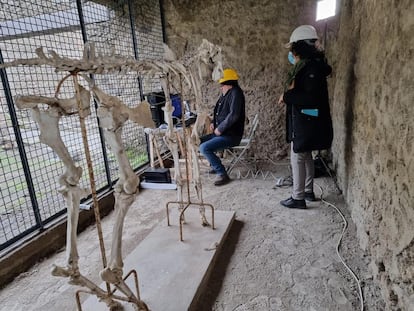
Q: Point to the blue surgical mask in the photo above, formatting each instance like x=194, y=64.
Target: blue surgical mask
x=291, y=58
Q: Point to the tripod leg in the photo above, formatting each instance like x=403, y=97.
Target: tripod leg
x=330, y=172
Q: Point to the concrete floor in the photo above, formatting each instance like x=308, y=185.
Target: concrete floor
x=273, y=259
x=172, y=269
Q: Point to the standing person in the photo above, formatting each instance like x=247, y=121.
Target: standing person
x=308, y=118
x=227, y=125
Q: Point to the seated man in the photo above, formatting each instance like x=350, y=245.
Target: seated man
x=227, y=125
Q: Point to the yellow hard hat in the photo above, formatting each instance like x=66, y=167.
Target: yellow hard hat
x=228, y=75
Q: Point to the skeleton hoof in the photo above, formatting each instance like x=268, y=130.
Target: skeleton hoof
x=141, y=307
x=60, y=271
x=111, y=276
x=116, y=306
x=204, y=222
x=66, y=273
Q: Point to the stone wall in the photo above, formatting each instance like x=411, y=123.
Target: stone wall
x=370, y=46
x=373, y=150
x=252, y=36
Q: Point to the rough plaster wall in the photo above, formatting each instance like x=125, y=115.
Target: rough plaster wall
x=252, y=35
x=373, y=150
x=371, y=50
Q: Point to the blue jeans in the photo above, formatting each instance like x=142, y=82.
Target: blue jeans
x=211, y=144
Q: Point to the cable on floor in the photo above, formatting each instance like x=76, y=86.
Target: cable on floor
x=361, y=297
x=258, y=174
x=266, y=174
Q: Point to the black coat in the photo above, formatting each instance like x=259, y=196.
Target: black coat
x=310, y=91
x=229, y=113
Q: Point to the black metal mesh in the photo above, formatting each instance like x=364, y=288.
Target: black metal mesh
x=113, y=34
x=29, y=170
x=15, y=217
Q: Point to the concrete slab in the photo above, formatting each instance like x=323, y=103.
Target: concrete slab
x=171, y=273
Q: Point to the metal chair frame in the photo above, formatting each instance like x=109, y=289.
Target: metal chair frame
x=238, y=152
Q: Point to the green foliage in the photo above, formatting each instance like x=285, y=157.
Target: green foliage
x=135, y=157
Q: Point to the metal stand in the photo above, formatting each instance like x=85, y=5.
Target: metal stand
x=187, y=203
x=181, y=217
x=329, y=171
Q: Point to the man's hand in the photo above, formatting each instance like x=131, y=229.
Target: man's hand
x=217, y=132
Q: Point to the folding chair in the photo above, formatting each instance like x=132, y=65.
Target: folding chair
x=238, y=153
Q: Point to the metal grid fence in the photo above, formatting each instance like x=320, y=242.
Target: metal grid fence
x=29, y=170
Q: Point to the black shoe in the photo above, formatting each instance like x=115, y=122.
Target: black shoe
x=292, y=203
x=221, y=180
x=310, y=196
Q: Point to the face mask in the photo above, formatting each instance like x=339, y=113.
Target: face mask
x=291, y=58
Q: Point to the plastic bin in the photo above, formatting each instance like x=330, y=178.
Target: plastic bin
x=176, y=102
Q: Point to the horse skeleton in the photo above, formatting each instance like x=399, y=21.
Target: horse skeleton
x=112, y=113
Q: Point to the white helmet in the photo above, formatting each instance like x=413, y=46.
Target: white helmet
x=304, y=32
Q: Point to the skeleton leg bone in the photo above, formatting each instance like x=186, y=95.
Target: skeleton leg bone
x=49, y=134
x=171, y=141
x=125, y=191
x=48, y=122
x=172, y=145
x=72, y=195
x=198, y=184
x=202, y=122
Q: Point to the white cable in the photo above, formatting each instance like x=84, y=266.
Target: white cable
x=255, y=174
x=266, y=174
x=249, y=174
x=361, y=297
